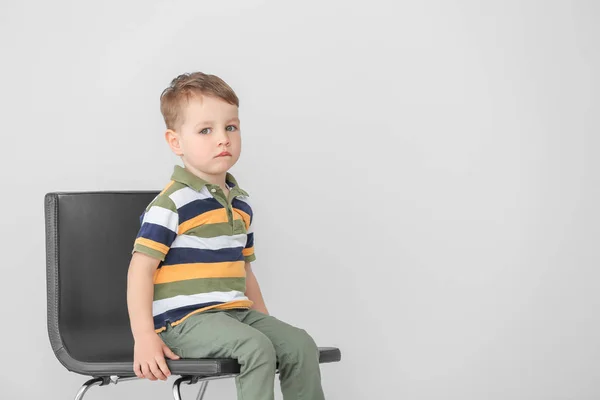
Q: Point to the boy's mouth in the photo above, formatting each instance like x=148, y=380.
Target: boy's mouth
x=223, y=154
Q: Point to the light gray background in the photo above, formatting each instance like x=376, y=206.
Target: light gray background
x=438, y=162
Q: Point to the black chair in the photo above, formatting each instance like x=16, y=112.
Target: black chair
x=89, y=238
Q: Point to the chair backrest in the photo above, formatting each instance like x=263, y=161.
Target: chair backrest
x=89, y=238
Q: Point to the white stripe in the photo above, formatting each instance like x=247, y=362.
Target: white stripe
x=164, y=305
x=205, y=193
x=215, y=243
x=163, y=217
x=186, y=195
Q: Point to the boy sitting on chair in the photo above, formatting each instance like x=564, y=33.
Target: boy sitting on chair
x=191, y=292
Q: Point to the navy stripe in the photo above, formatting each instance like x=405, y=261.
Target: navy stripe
x=250, y=241
x=197, y=207
x=177, y=313
x=184, y=255
x=242, y=205
x=157, y=233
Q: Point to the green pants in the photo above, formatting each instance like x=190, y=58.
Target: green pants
x=258, y=342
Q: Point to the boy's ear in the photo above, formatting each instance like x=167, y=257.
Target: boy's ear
x=172, y=139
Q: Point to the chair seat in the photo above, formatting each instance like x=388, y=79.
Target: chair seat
x=186, y=366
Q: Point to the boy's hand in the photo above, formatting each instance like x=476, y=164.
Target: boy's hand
x=148, y=357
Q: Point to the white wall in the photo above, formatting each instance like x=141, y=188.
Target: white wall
x=438, y=160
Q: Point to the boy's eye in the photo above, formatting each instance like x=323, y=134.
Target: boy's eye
x=230, y=128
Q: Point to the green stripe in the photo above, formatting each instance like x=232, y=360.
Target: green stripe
x=148, y=251
x=211, y=230
x=164, y=202
x=239, y=226
x=201, y=285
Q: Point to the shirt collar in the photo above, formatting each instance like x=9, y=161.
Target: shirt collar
x=182, y=175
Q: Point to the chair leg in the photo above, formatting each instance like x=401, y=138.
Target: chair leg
x=189, y=381
x=202, y=390
x=87, y=385
x=176, y=386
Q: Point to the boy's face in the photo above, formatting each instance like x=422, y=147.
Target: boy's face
x=209, y=139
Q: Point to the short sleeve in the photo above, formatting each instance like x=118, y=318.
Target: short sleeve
x=158, y=230
x=244, y=205
x=248, y=251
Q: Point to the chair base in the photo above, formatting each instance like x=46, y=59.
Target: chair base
x=190, y=380
x=102, y=381
x=86, y=386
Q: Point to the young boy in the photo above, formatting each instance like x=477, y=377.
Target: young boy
x=191, y=291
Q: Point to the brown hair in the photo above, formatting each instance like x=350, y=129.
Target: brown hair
x=188, y=85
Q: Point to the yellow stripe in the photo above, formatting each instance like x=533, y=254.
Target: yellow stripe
x=209, y=217
x=243, y=215
x=224, y=306
x=181, y=272
x=166, y=187
x=152, y=244
x=248, y=252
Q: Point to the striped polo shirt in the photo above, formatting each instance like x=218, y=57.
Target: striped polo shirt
x=203, y=240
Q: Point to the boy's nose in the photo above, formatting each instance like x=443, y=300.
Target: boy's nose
x=224, y=138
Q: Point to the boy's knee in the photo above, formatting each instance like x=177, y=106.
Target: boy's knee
x=308, y=343
x=301, y=345
x=260, y=350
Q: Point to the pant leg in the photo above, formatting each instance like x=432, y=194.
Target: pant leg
x=218, y=335
x=297, y=354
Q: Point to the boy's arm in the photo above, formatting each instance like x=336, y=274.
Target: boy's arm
x=140, y=292
x=149, y=349
x=253, y=291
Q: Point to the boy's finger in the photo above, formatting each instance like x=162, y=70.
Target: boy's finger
x=138, y=370
x=169, y=353
x=162, y=364
x=147, y=373
x=156, y=371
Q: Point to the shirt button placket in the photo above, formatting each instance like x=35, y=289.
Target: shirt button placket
x=227, y=209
